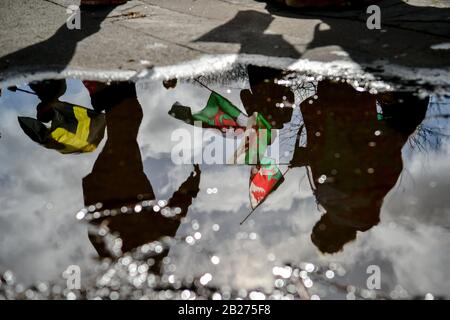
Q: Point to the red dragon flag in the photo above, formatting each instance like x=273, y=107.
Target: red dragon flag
x=264, y=179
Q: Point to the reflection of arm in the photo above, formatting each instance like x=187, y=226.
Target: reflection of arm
x=138, y=229
x=300, y=157
x=182, y=198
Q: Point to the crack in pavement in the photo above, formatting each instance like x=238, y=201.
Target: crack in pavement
x=184, y=13
x=162, y=39
x=56, y=3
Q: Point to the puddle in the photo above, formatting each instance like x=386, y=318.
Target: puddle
x=348, y=181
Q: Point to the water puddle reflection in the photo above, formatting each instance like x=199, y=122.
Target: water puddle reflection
x=265, y=185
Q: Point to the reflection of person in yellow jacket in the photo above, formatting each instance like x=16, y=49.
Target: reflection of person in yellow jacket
x=73, y=129
x=118, y=179
x=354, y=153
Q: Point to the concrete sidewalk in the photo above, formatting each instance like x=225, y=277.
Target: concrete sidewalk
x=146, y=33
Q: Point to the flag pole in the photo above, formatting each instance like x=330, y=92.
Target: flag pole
x=22, y=90
x=203, y=85
x=206, y=87
x=248, y=216
x=253, y=210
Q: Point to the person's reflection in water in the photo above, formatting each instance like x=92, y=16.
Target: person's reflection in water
x=354, y=152
x=118, y=179
x=265, y=96
x=274, y=102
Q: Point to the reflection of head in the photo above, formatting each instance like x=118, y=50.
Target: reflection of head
x=48, y=91
x=330, y=237
x=170, y=84
x=272, y=100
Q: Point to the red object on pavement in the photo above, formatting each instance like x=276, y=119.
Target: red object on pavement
x=91, y=86
x=325, y=3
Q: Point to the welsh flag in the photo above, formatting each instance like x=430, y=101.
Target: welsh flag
x=258, y=137
x=219, y=113
x=265, y=178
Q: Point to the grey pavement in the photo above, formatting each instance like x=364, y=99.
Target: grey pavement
x=141, y=34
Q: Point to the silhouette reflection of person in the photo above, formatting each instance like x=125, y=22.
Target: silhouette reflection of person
x=265, y=96
x=354, y=153
x=118, y=179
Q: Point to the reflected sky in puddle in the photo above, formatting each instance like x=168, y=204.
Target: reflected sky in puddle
x=376, y=163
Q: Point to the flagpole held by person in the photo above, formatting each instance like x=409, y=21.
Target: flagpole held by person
x=257, y=206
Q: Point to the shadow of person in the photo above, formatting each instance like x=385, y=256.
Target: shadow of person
x=265, y=96
x=408, y=33
x=354, y=153
x=408, y=36
x=57, y=51
x=247, y=29
x=118, y=180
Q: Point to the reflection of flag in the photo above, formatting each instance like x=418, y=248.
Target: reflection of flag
x=73, y=129
x=256, y=140
x=264, y=179
x=219, y=113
